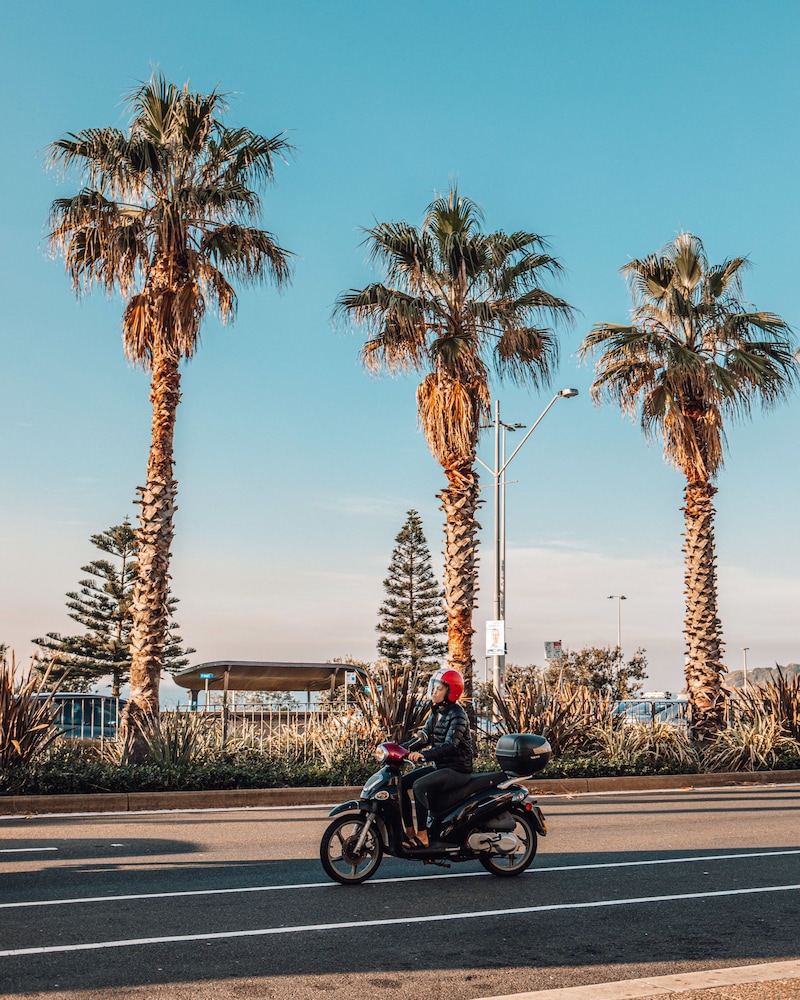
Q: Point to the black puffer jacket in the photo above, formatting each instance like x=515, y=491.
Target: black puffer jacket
x=449, y=738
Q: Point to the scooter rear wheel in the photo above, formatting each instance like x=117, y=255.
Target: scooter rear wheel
x=338, y=851
x=506, y=865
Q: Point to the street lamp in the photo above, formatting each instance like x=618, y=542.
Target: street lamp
x=501, y=463
x=744, y=680
x=619, y=598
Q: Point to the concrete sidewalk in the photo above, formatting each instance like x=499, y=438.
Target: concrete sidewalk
x=244, y=798
x=770, y=981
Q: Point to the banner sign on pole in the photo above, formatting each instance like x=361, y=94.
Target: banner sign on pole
x=496, y=638
x=552, y=650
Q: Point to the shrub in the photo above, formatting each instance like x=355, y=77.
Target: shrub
x=779, y=698
x=753, y=744
x=664, y=747
x=617, y=745
x=563, y=715
x=392, y=701
x=27, y=713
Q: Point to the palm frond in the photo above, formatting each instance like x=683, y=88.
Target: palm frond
x=247, y=253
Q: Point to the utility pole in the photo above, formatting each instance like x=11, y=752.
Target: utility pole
x=501, y=463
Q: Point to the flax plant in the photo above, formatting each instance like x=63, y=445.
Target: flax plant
x=28, y=712
x=779, y=698
x=752, y=744
x=564, y=714
x=392, y=701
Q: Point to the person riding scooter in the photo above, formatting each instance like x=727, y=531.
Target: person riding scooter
x=448, y=742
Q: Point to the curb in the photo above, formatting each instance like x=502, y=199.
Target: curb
x=639, y=783
x=121, y=802
x=247, y=798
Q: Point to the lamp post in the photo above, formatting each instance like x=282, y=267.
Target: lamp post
x=744, y=681
x=619, y=598
x=501, y=463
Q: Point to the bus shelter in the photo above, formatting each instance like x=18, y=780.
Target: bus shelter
x=254, y=675
x=251, y=675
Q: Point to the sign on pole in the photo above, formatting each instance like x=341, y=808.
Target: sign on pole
x=552, y=650
x=496, y=638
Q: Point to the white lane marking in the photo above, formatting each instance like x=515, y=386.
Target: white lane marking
x=386, y=922
x=391, y=881
x=24, y=850
x=663, y=861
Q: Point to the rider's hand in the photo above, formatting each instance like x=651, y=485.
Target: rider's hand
x=415, y=757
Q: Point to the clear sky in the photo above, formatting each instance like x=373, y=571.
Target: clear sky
x=608, y=127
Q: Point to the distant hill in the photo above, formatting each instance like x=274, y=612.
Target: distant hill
x=760, y=675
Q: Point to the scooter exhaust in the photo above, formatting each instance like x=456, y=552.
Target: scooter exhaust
x=506, y=843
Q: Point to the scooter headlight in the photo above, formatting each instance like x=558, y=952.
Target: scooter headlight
x=381, y=754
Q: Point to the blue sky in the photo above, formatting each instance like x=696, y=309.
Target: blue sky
x=607, y=127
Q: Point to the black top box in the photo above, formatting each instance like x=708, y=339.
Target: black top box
x=522, y=753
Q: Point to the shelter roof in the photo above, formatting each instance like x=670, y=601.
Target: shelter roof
x=253, y=675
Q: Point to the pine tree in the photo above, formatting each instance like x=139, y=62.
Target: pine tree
x=412, y=618
x=103, y=607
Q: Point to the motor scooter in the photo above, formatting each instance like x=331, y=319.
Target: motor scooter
x=492, y=819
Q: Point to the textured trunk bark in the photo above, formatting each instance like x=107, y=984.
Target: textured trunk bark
x=460, y=502
x=702, y=629
x=150, y=614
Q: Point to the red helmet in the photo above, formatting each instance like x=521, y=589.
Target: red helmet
x=451, y=679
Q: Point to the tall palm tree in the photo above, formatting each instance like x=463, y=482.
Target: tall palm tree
x=457, y=303
x=694, y=355
x=165, y=218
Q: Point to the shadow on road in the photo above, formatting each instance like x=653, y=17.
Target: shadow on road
x=581, y=918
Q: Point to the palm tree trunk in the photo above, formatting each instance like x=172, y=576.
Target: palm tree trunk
x=702, y=629
x=149, y=610
x=460, y=502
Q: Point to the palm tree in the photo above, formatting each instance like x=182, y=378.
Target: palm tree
x=165, y=218
x=694, y=355
x=457, y=302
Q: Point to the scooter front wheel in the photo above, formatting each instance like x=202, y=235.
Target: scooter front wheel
x=342, y=857
x=514, y=863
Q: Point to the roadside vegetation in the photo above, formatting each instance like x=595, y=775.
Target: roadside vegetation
x=184, y=751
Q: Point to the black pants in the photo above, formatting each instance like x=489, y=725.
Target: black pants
x=427, y=781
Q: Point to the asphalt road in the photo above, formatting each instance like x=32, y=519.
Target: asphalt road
x=235, y=904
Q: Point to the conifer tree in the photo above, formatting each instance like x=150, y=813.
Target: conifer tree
x=412, y=617
x=103, y=607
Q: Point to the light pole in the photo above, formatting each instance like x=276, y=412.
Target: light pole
x=501, y=463
x=744, y=681
x=619, y=598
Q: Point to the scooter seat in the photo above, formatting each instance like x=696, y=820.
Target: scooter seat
x=477, y=783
